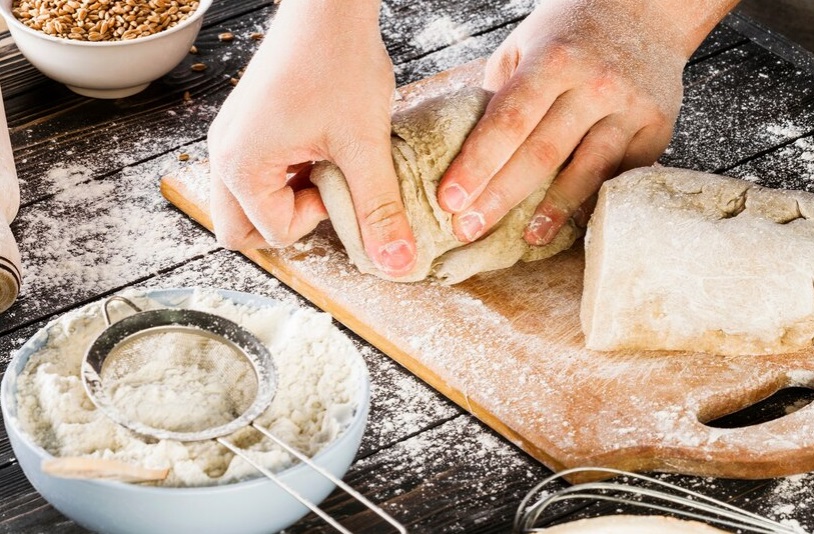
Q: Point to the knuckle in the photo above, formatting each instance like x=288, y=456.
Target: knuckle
x=496, y=200
x=545, y=152
x=558, y=205
x=500, y=66
x=276, y=240
x=559, y=53
x=510, y=116
x=663, y=118
x=382, y=214
x=599, y=162
x=229, y=240
x=606, y=82
x=233, y=236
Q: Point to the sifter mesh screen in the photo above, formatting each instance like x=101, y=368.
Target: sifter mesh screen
x=179, y=379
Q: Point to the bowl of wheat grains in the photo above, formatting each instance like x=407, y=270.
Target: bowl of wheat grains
x=104, y=48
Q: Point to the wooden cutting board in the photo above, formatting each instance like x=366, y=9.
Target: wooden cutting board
x=507, y=347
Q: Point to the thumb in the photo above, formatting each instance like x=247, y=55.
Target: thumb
x=386, y=233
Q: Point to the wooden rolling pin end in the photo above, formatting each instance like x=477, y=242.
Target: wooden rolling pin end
x=10, y=272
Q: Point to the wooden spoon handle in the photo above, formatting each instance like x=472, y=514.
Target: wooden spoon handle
x=98, y=468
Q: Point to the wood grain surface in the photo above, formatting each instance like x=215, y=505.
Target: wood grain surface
x=92, y=222
x=507, y=347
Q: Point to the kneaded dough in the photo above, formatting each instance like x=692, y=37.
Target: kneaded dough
x=426, y=138
x=633, y=524
x=684, y=260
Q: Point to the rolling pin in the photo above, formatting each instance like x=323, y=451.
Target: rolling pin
x=10, y=272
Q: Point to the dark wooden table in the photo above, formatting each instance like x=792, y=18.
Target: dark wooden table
x=93, y=222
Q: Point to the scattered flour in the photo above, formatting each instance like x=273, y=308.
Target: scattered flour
x=442, y=31
x=791, y=502
x=319, y=375
x=785, y=131
x=102, y=234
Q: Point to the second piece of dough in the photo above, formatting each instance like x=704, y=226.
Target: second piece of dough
x=426, y=138
x=684, y=260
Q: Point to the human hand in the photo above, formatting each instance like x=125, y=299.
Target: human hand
x=583, y=90
x=319, y=88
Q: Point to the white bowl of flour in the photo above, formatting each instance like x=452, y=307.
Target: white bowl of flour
x=320, y=408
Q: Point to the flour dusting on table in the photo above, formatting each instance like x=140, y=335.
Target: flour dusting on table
x=319, y=372
x=100, y=234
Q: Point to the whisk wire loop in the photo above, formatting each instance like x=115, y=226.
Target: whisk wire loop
x=688, y=504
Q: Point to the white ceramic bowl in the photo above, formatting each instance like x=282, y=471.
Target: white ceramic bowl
x=106, y=69
x=254, y=506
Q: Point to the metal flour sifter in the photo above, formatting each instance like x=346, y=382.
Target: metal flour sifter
x=238, y=374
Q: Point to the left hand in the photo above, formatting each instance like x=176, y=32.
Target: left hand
x=583, y=90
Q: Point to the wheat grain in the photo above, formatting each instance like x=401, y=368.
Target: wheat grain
x=102, y=20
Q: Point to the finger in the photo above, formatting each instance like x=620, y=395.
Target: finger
x=595, y=160
x=301, y=178
x=280, y=215
x=647, y=146
x=510, y=117
x=294, y=169
x=584, y=212
x=383, y=223
x=501, y=65
x=232, y=228
x=534, y=163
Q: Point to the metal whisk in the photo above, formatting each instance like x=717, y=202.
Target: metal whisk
x=667, y=498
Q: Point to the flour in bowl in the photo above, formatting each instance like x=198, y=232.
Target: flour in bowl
x=320, y=374
x=179, y=381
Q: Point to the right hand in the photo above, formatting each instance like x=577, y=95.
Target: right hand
x=319, y=88
x=584, y=89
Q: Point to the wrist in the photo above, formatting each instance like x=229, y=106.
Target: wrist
x=690, y=21
x=314, y=10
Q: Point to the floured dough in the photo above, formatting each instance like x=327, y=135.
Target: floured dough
x=426, y=138
x=631, y=524
x=683, y=260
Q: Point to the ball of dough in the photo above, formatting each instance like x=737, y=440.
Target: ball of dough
x=425, y=140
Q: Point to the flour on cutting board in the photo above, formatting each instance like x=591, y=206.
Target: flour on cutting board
x=319, y=373
x=487, y=354
x=523, y=397
x=546, y=387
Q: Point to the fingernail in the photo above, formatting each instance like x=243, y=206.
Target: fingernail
x=472, y=225
x=540, y=230
x=396, y=257
x=455, y=197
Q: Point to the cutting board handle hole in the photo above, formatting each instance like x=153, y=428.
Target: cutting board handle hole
x=780, y=403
